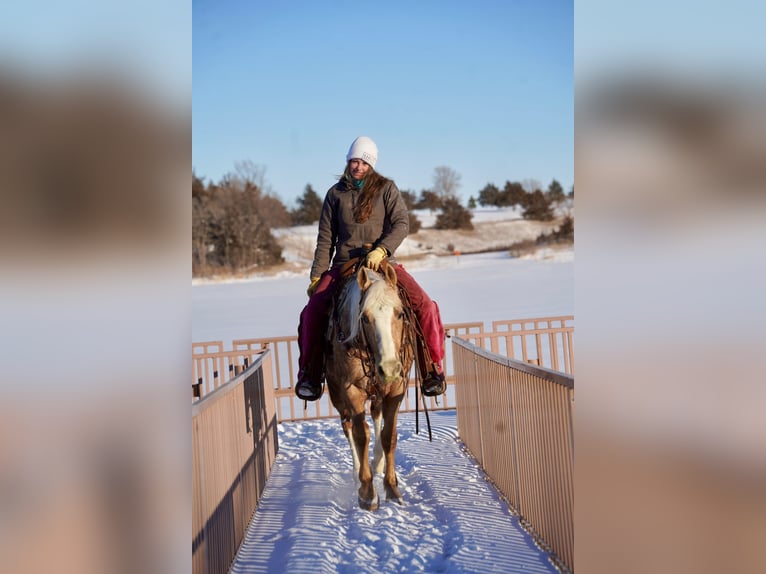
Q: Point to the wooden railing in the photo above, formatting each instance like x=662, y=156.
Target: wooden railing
x=513, y=415
x=516, y=420
x=234, y=443
x=543, y=341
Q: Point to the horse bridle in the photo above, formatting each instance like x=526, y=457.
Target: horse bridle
x=366, y=354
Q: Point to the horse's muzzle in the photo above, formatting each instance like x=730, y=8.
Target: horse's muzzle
x=390, y=371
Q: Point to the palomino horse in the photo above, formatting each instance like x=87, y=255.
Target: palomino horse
x=369, y=357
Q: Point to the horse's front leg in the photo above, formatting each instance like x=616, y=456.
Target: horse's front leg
x=388, y=440
x=377, y=422
x=368, y=500
x=348, y=431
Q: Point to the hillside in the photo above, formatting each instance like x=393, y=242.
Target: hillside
x=495, y=229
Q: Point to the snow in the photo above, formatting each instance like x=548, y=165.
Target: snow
x=452, y=519
x=478, y=287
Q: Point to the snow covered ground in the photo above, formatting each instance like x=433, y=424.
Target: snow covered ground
x=452, y=519
x=479, y=287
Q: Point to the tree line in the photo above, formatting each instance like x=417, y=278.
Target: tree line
x=233, y=219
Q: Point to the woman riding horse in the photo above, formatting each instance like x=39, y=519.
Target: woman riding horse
x=362, y=208
x=369, y=359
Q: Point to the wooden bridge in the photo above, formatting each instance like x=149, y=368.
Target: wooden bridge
x=511, y=386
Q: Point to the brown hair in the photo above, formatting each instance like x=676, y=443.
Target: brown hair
x=371, y=190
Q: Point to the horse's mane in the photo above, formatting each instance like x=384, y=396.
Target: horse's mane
x=354, y=302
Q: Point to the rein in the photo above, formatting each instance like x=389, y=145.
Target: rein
x=364, y=351
x=416, y=331
x=368, y=362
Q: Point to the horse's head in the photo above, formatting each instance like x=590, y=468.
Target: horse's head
x=382, y=321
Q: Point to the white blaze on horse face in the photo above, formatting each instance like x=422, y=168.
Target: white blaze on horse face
x=380, y=310
x=388, y=358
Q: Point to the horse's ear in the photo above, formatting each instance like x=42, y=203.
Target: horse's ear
x=391, y=275
x=362, y=278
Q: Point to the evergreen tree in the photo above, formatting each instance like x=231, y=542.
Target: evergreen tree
x=415, y=223
x=453, y=216
x=309, y=207
x=555, y=191
x=409, y=197
x=429, y=200
x=490, y=195
x=537, y=207
x=514, y=194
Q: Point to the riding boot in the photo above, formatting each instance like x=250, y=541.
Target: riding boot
x=430, y=341
x=310, y=360
x=311, y=377
x=432, y=379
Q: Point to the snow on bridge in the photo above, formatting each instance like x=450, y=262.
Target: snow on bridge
x=452, y=519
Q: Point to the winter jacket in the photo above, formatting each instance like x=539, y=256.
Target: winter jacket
x=340, y=238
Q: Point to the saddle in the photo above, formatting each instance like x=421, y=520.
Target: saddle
x=351, y=266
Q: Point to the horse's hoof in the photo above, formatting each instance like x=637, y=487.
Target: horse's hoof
x=371, y=505
x=394, y=495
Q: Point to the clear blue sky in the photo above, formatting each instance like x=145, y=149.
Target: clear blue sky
x=484, y=87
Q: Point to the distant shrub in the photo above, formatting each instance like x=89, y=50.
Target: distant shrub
x=231, y=227
x=429, y=200
x=409, y=197
x=489, y=195
x=521, y=248
x=415, y=224
x=538, y=207
x=563, y=234
x=453, y=216
x=309, y=207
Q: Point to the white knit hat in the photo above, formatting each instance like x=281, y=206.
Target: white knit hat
x=363, y=148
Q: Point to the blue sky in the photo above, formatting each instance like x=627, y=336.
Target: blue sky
x=483, y=87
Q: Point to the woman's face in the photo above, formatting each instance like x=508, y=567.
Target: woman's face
x=358, y=168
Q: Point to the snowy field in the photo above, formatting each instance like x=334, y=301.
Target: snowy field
x=481, y=287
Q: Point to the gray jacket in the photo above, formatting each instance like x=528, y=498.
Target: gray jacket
x=340, y=238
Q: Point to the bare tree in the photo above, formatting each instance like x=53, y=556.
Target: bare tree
x=531, y=185
x=446, y=182
x=247, y=171
x=231, y=224
x=201, y=224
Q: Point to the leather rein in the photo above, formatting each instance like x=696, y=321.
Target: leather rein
x=364, y=351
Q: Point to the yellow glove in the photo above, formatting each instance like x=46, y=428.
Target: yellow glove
x=374, y=258
x=312, y=286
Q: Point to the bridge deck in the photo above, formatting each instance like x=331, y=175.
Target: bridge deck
x=452, y=519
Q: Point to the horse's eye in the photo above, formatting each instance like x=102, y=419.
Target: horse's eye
x=401, y=315
x=365, y=319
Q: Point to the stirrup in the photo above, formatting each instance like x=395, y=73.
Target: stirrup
x=433, y=384
x=308, y=390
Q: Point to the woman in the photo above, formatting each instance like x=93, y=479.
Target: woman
x=362, y=208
